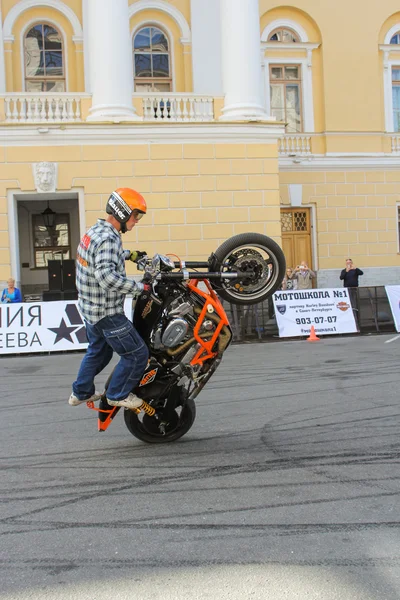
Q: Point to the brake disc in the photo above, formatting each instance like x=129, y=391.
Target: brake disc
x=251, y=261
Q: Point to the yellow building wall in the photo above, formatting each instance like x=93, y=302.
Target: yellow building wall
x=356, y=214
x=198, y=194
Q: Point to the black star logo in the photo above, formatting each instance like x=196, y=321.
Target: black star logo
x=63, y=332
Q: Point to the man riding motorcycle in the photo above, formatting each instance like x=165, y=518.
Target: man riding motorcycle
x=102, y=286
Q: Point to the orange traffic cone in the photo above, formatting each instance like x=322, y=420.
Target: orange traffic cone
x=313, y=337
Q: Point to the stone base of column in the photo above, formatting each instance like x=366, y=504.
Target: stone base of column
x=104, y=113
x=245, y=112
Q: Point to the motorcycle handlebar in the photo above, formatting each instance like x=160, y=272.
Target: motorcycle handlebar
x=192, y=264
x=185, y=275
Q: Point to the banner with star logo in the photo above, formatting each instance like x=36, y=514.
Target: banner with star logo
x=44, y=327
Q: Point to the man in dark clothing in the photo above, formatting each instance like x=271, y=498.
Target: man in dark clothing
x=350, y=274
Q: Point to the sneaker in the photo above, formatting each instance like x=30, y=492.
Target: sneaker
x=74, y=400
x=131, y=401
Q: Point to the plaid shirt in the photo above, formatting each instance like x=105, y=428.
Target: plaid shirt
x=100, y=273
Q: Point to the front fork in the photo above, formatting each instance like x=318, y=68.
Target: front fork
x=106, y=413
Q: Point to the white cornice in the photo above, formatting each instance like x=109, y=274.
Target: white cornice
x=341, y=162
x=75, y=135
x=297, y=46
x=24, y=5
x=389, y=47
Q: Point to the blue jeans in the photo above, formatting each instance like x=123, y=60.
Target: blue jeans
x=112, y=334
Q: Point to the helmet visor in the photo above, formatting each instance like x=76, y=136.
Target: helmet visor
x=138, y=214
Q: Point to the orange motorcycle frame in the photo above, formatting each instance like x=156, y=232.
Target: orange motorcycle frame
x=205, y=352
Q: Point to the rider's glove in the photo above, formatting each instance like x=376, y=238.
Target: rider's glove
x=135, y=255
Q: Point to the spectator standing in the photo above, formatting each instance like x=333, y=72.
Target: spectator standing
x=11, y=293
x=304, y=276
x=350, y=274
x=289, y=283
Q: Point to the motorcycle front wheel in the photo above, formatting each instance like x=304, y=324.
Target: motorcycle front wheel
x=259, y=258
x=154, y=430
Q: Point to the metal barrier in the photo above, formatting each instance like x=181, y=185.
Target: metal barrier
x=256, y=323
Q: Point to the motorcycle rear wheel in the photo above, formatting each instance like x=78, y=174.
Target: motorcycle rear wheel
x=146, y=429
x=256, y=253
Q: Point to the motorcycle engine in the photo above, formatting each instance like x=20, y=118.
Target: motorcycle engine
x=174, y=328
x=174, y=333
x=178, y=324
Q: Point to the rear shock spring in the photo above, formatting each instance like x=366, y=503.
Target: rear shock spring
x=149, y=410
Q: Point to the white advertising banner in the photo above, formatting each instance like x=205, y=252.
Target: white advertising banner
x=44, y=327
x=329, y=310
x=393, y=294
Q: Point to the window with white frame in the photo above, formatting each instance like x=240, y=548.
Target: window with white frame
x=44, y=61
x=152, y=60
x=288, y=90
x=285, y=92
x=396, y=97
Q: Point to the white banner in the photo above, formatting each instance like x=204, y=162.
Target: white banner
x=393, y=294
x=44, y=327
x=329, y=310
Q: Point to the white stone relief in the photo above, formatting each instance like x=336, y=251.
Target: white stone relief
x=45, y=176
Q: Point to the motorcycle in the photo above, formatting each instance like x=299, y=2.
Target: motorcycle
x=187, y=331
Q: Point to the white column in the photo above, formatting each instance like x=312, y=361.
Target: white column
x=2, y=61
x=206, y=47
x=86, y=46
x=110, y=59
x=241, y=65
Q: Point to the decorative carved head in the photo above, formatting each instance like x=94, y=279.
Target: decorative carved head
x=45, y=176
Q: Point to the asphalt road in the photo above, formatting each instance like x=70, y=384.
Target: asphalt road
x=287, y=486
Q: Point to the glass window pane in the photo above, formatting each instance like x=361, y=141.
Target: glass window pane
x=288, y=36
x=54, y=86
x=54, y=64
x=396, y=97
x=292, y=73
x=52, y=39
x=34, y=63
x=277, y=97
x=142, y=40
x=395, y=39
x=293, y=109
x=160, y=65
x=396, y=120
x=162, y=86
x=143, y=65
x=293, y=124
x=35, y=37
x=278, y=113
x=43, y=256
x=395, y=74
x=41, y=236
x=293, y=97
x=274, y=38
x=276, y=72
x=159, y=42
x=143, y=86
x=35, y=86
